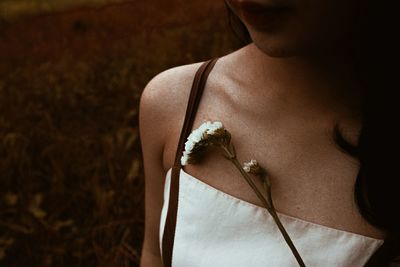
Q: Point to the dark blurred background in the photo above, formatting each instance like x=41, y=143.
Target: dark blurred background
x=71, y=76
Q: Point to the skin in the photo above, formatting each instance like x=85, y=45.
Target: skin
x=287, y=88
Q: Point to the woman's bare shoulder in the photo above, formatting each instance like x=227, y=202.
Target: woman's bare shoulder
x=167, y=90
x=163, y=100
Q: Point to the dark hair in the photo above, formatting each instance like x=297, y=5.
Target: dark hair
x=377, y=187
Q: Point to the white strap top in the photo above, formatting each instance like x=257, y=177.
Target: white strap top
x=215, y=229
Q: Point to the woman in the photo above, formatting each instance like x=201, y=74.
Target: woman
x=310, y=94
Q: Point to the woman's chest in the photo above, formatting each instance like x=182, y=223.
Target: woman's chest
x=311, y=178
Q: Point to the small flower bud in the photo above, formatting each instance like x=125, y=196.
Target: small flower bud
x=253, y=167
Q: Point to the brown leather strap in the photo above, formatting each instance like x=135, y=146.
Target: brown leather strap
x=194, y=100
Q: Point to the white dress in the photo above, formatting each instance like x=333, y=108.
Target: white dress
x=215, y=229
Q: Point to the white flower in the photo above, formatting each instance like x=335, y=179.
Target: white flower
x=250, y=166
x=195, y=136
x=184, y=158
x=199, y=136
x=213, y=127
x=204, y=127
x=189, y=145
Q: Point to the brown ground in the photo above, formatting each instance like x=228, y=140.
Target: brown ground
x=71, y=182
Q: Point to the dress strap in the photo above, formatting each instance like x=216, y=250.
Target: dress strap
x=193, y=103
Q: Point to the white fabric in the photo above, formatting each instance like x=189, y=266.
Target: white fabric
x=215, y=229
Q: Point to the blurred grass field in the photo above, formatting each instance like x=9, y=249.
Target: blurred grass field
x=71, y=180
x=16, y=9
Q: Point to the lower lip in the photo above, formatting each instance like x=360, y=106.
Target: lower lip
x=263, y=18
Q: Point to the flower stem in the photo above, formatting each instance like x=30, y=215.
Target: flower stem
x=233, y=159
x=231, y=155
x=287, y=238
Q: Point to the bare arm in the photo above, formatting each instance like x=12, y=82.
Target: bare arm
x=152, y=140
x=162, y=107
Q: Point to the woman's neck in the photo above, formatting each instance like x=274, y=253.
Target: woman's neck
x=326, y=81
